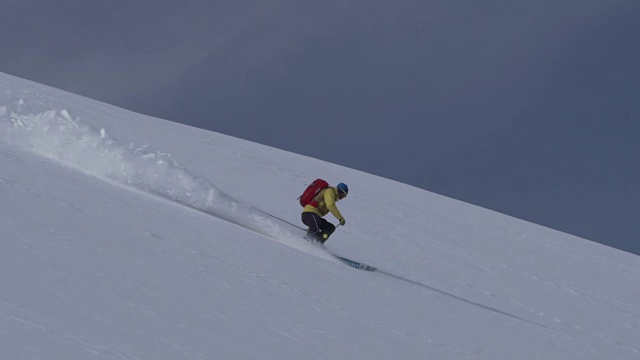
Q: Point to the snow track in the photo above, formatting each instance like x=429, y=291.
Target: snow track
x=56, y=135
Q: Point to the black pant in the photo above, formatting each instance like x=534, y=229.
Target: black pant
x=319, y=228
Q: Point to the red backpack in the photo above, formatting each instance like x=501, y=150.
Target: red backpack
x=310, y=193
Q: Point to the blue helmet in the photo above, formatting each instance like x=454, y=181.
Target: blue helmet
x=343, y=188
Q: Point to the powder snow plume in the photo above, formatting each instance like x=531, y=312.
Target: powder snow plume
x=55, y=134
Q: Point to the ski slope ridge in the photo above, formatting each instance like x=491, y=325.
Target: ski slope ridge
x=129, y=237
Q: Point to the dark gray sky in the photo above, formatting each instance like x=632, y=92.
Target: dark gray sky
x=530, y=108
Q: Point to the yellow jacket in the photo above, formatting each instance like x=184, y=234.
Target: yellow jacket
x=326, y=203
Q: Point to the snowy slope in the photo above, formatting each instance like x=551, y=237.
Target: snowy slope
x=129, y=237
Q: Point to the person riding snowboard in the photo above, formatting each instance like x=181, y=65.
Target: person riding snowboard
x=323, y=203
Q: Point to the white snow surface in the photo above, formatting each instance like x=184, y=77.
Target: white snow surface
x=124, y=236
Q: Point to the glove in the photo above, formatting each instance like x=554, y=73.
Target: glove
x=342, y=221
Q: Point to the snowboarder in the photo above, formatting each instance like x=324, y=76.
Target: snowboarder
x=323, y=203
